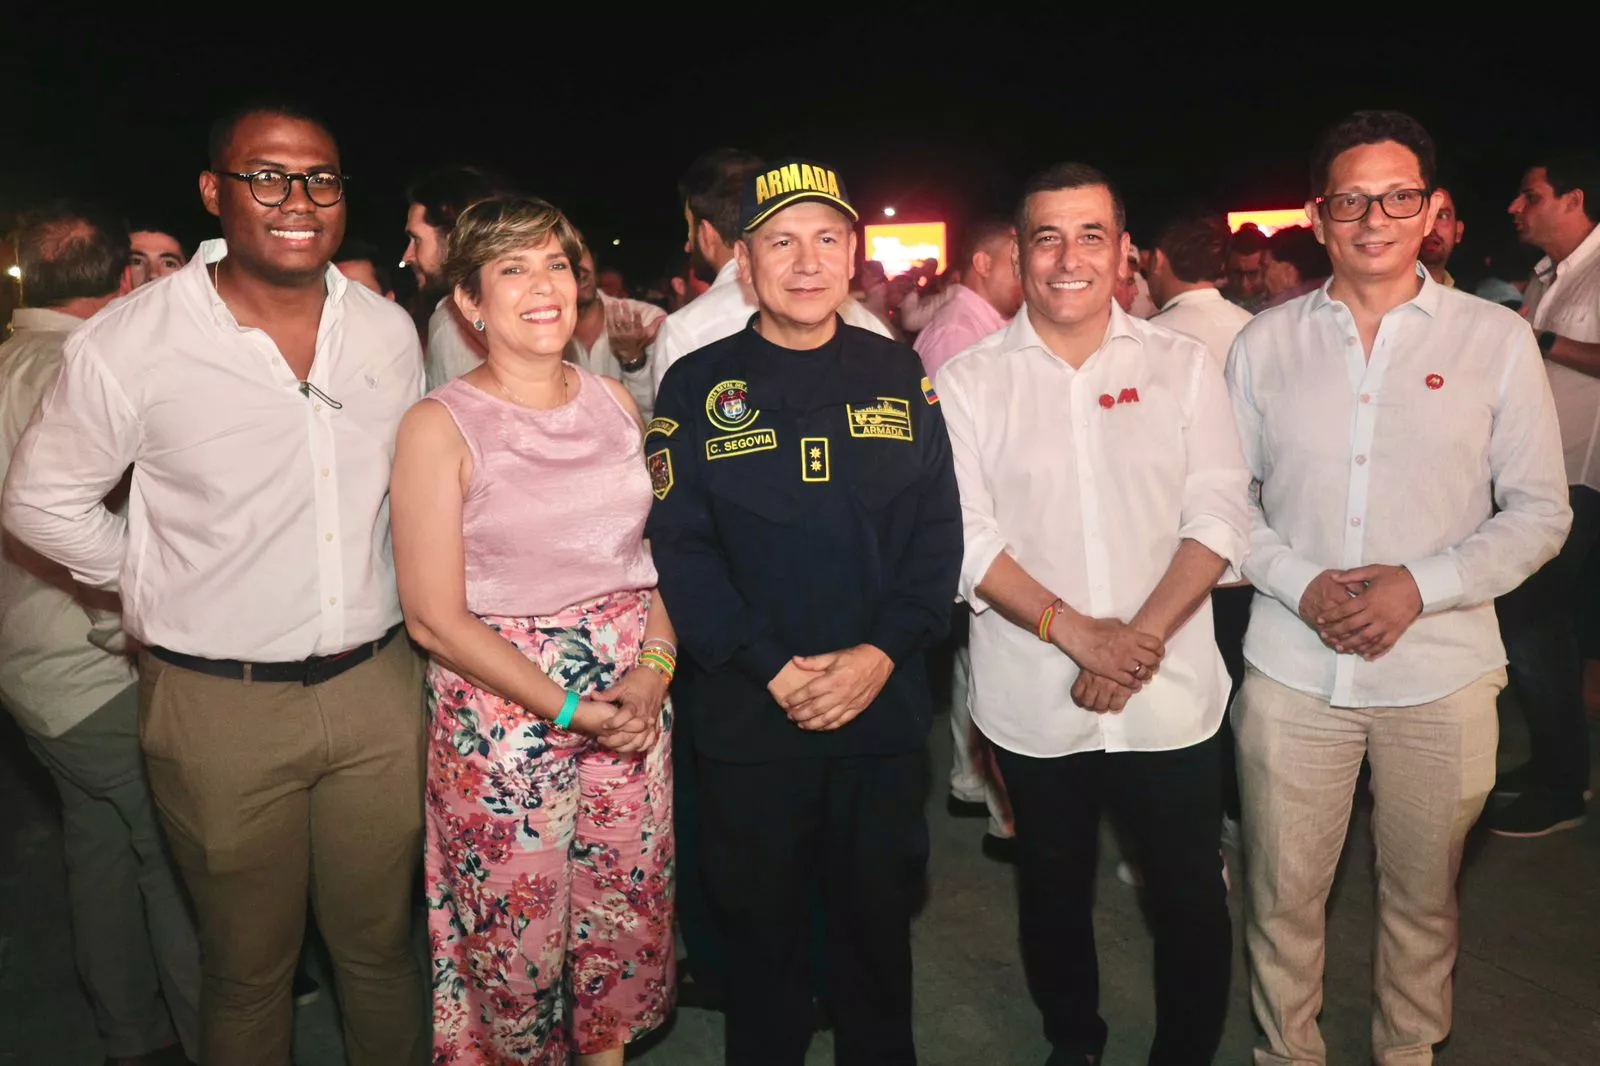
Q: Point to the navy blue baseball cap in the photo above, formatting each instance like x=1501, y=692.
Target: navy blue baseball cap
x=792, y=181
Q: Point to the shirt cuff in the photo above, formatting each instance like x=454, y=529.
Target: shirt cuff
x=762, y=660
x=1219, y=538
x=1438, y=581
x=1289, y=578
x=979, y=558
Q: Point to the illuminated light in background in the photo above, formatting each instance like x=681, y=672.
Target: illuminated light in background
x=1269, y=222
x=902, y=245
x=615, y=242
x=888, y=212
x=14, y=271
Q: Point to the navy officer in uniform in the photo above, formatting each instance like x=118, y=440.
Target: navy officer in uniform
x=807, y=532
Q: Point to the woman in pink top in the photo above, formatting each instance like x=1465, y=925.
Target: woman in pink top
x=519, y=499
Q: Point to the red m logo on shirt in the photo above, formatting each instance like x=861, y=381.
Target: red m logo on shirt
x=1128, y=396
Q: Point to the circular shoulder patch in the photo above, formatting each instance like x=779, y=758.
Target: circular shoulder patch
x=727, y=406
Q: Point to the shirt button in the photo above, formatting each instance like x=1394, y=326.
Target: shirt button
x=316, y=407
x=333, y=601
x=1361, y=460
x=324, y=471
x=1355, y=521
x=329, y=538
x=1366, y=397
x=1351, y=341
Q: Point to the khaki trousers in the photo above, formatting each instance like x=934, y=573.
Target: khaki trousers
x=271, y=791
x=1432, y=768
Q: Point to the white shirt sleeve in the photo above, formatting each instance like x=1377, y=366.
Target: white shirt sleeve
x=1217, y=488
x=980, y=529
x=80, y=442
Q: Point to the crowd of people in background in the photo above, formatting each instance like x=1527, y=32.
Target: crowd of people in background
x=622, y=634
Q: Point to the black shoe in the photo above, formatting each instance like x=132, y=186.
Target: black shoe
x=1535, y=814
x=696, y=992
x=304, y=990
x=956, y=807
x=1509, y=784
x=1000, y=849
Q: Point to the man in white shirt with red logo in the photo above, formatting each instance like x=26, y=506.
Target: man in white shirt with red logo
x=1103, y=496
x=1556, y=210
x=257, y=393
x=1404, y=440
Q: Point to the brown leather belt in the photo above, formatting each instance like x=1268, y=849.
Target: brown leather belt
x=312, y=671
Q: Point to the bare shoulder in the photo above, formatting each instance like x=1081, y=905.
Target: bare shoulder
x=430, y=423
x=620, y=393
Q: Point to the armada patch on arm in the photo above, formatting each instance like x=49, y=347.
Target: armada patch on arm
x=660, y=467
x=664, y=426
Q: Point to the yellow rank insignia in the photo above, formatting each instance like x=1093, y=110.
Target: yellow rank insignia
x=814, y=459
x=664, y=426
x=888, y=419
x=660, y=467
x=928, y=393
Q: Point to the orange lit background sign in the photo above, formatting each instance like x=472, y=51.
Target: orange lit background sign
x=900, y=246
x=1269, y=221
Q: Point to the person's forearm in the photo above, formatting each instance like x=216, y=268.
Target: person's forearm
x=1020, y=599
x=470, y=648
x=1581, y=356
x=1189, y=579
x=659, y=625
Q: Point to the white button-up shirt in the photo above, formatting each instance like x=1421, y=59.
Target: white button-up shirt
x=51, y=676
x=599, y=360
x=1204, y=315
x=450, y=352
x=723, y=310
x=964, y=319
x=1091, y=478
x=258, y=521
x=1565, y=298
x=1401, y=459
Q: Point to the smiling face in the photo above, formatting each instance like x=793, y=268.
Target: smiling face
x=800, y=262
x=290, y=244
x=1071, y=256
x=1374, y=247
x=527, y=300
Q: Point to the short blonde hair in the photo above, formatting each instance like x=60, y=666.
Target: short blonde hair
x=502, y=226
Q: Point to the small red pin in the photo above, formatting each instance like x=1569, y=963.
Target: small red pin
x=1434, y=381
x=1108, y=401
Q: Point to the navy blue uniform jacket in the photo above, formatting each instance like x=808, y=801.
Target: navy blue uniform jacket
x=806, y=502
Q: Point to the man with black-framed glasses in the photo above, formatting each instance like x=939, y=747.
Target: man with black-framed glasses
x=1404, y=444
x=257, y=393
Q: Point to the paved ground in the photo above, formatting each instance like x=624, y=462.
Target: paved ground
x=1527, y=991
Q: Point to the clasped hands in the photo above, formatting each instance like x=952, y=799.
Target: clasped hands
x=1115, y=660
x=1362, y=611
x=823, y=692
x=626, y=717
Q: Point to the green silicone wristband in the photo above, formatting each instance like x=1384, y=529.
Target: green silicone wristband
x=569, y=707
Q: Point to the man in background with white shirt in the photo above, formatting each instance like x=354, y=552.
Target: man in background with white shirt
x=980, y=304
x=437, y=199
x=710, y=193
x=1185, y=266
x=78, y=702
x=614, y=335
x=1409, y=469
x=1556, y=210
x=1440, y=243
x=257, y=393
x=1103, y=495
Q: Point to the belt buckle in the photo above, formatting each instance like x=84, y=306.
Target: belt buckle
x=316, y=670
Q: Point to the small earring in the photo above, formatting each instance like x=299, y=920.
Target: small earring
x=478, y=325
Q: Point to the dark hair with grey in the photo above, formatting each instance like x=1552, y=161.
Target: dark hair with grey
x=71, y=250
x=1068, y=176
x=713, y=185
x=1196, y=247
x=1372, y=127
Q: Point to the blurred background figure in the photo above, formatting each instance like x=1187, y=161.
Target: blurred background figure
x=1293, y=264
x=612, y=283
x=362, y=263
x=1246, y=284
x=614, y=333
x=1441, y=241
x=1183, y=269
x=154, y=253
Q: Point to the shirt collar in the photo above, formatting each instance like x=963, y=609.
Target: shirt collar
x=1021, y=335
x=44, y=320
x=216, y=250
x=1207, y=294
x=728, y=275
x=1426, y=299
x=1585, y=251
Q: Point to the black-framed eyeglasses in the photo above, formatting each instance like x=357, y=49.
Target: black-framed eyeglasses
x=272, y=187
x=1353, y=206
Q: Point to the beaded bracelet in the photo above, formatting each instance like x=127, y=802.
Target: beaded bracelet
x=1047, y=619
x=664, y=644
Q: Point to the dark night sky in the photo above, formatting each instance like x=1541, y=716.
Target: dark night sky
x=945, y=118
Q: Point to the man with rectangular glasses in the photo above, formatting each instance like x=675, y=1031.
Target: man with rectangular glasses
x=1404, y=442
x=257, y=393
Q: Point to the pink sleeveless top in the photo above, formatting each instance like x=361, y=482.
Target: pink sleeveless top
x=554, y=514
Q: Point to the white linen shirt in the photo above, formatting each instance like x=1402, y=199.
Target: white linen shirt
x=258, y=519
x=1565, y=299
x=1204, y=315
x=1090, y=479
x=723, y=310
x=51, y=676
x=450, y=352
x=1402, y=460
x=599, y=360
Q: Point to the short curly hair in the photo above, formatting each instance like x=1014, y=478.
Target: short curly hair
x=502, y=226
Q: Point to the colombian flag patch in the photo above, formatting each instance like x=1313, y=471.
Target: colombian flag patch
x=928, y=393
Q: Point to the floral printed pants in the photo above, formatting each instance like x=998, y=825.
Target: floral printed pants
x=550, y=860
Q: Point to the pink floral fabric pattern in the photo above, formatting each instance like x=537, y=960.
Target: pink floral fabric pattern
x=549, y=859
